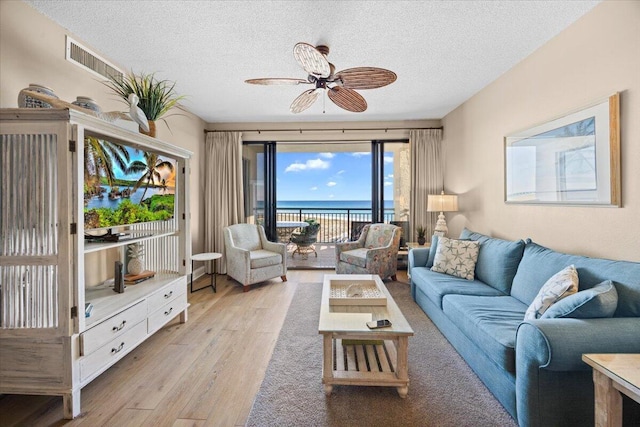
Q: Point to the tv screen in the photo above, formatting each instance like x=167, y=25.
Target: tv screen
x=124, y=185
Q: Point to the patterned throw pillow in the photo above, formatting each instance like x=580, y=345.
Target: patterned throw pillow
x=560, y=285
x=456, y=257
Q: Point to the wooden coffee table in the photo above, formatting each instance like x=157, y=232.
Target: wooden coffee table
x=354, y=354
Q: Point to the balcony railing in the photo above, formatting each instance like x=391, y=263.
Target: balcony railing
x=336, y=223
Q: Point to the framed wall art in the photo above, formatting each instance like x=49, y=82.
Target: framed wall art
x=570, y=160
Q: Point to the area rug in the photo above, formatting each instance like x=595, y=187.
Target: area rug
x=443, y=390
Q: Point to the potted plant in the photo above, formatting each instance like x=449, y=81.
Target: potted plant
x=420, y=230
x=156, y=97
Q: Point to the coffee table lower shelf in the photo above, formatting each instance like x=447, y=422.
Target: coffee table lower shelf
x=365, y=362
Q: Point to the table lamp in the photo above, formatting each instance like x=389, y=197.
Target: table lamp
x=442, y=203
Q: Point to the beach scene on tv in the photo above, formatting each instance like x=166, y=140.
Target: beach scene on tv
x=123, y=185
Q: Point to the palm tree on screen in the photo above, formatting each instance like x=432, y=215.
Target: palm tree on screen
x=99, y=158
x=150, y=170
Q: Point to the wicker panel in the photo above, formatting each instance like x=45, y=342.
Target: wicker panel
x=366, y=77
x=28, y=195
x=348, y=99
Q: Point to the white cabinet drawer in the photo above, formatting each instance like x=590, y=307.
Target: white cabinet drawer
x=103, y=332
x=113, y=351
x=166, y=294
x=167, y=312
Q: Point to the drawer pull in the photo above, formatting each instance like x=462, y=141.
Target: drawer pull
x=117, y=350
x=168, y=295
x=166, y=313
x=119, y=328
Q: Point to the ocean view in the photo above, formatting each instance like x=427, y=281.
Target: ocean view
x=329, y=206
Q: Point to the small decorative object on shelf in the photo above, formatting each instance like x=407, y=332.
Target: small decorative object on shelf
x=136, y=263
x=26, y=101
x=88, y=103
x=133, y=279
x=421, y=235
x=155, y=97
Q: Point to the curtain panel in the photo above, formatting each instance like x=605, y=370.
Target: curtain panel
x=223, y=190
x=427, y=176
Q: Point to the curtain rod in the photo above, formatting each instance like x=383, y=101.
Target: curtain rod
x=314, y=130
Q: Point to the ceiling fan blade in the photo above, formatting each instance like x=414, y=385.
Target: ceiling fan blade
x=277, y=81
x=348, y=99
x=365, y=77
x=311, y=60
x=305, y=100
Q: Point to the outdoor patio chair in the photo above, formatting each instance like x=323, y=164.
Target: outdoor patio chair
x=251, y=258
x=305, y=239
x=375, y=252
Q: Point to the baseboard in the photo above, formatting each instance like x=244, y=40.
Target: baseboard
x=198, y=273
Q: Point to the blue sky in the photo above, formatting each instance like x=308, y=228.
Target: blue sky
x=329, y=176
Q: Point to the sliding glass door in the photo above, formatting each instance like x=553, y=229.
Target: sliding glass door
x=342, y=185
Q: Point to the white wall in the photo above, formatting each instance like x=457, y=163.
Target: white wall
x=593, y=58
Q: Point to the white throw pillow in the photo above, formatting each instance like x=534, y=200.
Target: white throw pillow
x=560, y=285
x=456, y=257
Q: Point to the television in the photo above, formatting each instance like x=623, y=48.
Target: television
x=124, y=185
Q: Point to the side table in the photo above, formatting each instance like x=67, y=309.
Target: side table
x=613, y=374
x=207, y=256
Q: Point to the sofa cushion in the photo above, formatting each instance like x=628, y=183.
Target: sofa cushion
x=432, y=250
x=490, y=322
x=497, y=259
x=539, y=263
x=355, y=256
x=560, y=285
x=436, y=285
x=456, y=257
x=599, y=301
x=263, y=258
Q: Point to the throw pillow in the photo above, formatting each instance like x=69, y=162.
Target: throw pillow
x=432, y=250
x=456, y=257
x=599, y=301
x=560, y=285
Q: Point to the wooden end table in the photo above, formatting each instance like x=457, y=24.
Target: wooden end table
x=613, y=374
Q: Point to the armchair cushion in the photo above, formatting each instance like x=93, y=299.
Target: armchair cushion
x=355, y=256
x=263, y=258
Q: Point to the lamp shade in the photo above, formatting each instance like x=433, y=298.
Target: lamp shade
x=442, y=203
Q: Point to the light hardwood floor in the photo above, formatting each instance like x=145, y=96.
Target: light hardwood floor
x=205, y=372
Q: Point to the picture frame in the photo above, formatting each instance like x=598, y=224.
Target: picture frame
x=573, y=160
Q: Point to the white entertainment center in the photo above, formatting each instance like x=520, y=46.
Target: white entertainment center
x=47, y=271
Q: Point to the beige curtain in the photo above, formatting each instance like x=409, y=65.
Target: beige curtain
x=223, y=190
x=427, y=175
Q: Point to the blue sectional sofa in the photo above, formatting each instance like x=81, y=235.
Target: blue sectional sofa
x=533, y=367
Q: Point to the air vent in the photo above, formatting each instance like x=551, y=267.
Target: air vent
x=89, y=60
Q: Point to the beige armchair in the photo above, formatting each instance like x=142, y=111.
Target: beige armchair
x=375, y=252
x=251, y=258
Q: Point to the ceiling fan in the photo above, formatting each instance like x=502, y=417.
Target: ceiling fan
x=340, y=86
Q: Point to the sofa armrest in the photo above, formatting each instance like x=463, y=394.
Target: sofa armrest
x=558, y=344
x=372, y=253
x=418, y=257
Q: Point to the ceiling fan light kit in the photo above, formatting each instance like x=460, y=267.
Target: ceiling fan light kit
x=340, y=86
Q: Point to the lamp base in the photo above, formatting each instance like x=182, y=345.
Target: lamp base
x=441, y=226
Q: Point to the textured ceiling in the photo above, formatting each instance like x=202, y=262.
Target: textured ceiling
x=442, y=51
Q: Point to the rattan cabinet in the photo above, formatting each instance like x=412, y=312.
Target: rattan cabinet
x=47, y=345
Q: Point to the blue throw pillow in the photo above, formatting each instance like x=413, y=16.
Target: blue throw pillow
x=432, y=251
x=599, y=301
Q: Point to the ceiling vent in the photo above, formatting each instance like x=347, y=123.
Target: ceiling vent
x=85, y=58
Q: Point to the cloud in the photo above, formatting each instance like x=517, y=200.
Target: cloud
x=309, y=164
x=331, y=184
x=388, y=159
x=331, y=196
x=390, y=176
x=387, y=183
x=327, y=155
x=313, y=188
x=360, y=154
x=340, y=172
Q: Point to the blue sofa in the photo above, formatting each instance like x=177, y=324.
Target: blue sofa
x=533, y=367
